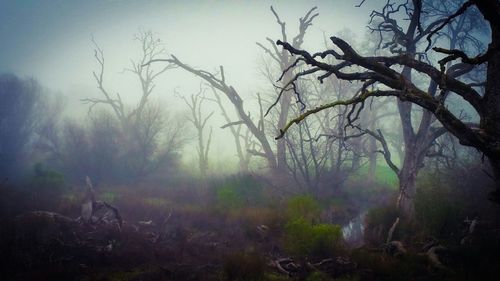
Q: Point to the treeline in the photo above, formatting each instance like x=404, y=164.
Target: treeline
x=35, y=139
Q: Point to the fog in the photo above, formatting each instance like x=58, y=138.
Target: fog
x=51, y=40
x=249, y=140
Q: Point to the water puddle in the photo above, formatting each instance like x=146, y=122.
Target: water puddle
x=354, y=230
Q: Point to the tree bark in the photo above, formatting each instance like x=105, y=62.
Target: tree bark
x=407, y=184
x=490, y=117
x=495, y=167
x=283, y=118
x=372, y=148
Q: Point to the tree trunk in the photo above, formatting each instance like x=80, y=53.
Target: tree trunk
x=490, y=119
x=372, y=159
x=282, y=120
x=495, y=167
x=407, y=182
x=407, y=191
x=372, y=151
x=356, y=157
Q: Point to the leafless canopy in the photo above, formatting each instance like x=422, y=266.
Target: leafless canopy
x=376, y=70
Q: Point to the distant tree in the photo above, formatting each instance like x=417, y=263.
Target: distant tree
x=276, y=159
x=19, y=108
x=75, y=150
x=243, y=138
x=199, y=121
x=218, y=82
x=283, y=60
x=144, y=126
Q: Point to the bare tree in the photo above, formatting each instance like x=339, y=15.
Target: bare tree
x=218, y=81
x=242, y=136
x=151, y=48
x=382, y=73
x=145, y=123
x=274, y=159
x=283, y=59
x=199, y=121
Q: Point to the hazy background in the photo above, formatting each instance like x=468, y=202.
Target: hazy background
x=51, y=41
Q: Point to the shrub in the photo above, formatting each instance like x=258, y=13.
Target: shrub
x=325, y=239
x=303, y=207
x=228, y=198
x=238, y=191
x=305, y=239
x=436, y=208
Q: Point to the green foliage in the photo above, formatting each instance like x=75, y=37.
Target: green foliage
x=228, y=198
x=48, y=179
x=325, y=238
x=436, y=210
x=237, y=191
x=244, y=267
x=302, y=238
x=303, y=207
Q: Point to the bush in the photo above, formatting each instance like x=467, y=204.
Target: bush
x=238, y=191
x=305, y=239
x=436, y=208
x=303, y=207
x=325, y=238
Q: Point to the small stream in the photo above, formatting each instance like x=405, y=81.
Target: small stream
x=353, y=231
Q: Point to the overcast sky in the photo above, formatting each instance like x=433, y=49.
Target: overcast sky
x=50, y=39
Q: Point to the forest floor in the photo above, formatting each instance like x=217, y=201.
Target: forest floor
x=185, y=235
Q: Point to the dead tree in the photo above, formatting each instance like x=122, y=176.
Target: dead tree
x=308, y=155
x=242, y=136
x=141, y=124
x=218, y=81
x=97, y=212
x=283, y=59
x=381, y=72
x=151, y=48
x=199, y=121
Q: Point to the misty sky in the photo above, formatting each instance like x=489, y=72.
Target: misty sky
x=50, y=40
